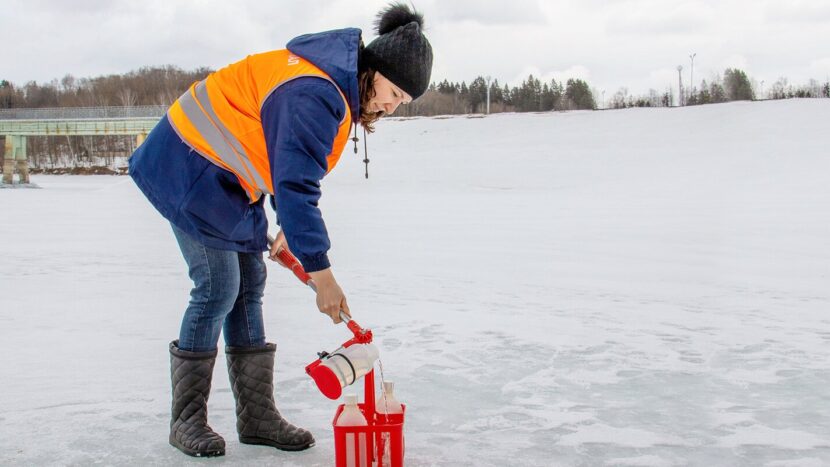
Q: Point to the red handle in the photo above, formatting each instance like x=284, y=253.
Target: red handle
x=291, y=262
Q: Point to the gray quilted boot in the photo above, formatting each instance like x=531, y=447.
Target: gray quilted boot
x=191, y=373
x=258, y=421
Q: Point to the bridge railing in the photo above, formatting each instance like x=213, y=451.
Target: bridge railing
x=80, y=113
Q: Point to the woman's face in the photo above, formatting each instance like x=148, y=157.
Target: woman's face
x=387, y=96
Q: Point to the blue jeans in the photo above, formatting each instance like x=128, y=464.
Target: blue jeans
x=226, y=296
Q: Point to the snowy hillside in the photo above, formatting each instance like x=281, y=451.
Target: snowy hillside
x=634, y=287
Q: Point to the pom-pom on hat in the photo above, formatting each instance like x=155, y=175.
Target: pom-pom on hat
x=401, y=52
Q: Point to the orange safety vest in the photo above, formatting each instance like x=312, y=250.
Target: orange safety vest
x=219, y=117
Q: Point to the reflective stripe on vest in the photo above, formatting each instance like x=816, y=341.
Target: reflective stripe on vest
x=220, y=119
x=197, y=107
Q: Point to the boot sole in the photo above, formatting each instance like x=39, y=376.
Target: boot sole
x=274, y=444
x=194, y=453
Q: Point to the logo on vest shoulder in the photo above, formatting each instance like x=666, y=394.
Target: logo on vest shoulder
x=293, y=59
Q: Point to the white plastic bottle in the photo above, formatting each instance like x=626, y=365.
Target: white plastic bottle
x=351, y=363
x=387, y=404
x=352, y=416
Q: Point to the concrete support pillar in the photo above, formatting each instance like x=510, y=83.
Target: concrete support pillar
x=22, y=157
x=15, y=157
x=8, y=162
x=23, y=171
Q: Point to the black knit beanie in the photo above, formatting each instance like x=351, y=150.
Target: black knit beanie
x=400, y=52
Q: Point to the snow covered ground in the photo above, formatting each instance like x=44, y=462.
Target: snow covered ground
x=637, y=287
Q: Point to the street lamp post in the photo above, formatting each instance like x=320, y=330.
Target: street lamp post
x=488, y=95
x=692, y=75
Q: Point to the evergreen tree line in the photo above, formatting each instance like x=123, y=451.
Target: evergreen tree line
x=532, y=95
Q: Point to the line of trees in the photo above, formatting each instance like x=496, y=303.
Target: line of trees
x=734, y=85
x=781, y=89
x=146, y=86
x=531, y=96
x=162, y=85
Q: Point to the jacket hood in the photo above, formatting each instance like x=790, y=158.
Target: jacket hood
x=336, y=53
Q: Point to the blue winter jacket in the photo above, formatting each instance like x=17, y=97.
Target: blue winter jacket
x=300, y=121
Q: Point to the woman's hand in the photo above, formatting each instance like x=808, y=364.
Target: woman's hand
x=278, y=244
x=330, y=297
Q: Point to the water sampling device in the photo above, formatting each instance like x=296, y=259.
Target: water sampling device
x=380, y=441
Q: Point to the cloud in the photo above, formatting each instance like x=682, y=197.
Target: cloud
x=561, y=76
x=663, y=78
x=659, y=19
x=821, y=68
x=735, y=61
x=515, y=12
x=609, y=43
x=74, y=7
x=798, y=11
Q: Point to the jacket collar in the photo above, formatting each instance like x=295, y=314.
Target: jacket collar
x=336, y=53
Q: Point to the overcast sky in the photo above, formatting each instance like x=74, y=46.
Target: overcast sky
x=636, y=44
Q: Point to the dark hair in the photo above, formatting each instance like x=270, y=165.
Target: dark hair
x=366, y=85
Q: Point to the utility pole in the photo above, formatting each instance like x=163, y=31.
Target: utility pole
x=692, y=78
x=680, y=85
x=488, y=95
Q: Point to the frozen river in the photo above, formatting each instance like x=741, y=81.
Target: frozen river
x=640, y=287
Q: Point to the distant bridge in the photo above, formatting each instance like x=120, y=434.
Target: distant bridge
x=17, y=124
x=80, y=121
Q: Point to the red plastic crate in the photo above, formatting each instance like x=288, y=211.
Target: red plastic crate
x=378, y=425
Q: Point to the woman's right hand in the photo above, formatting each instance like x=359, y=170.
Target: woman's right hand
x=330, y=297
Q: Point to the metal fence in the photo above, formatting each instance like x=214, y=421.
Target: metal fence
x=73, y=113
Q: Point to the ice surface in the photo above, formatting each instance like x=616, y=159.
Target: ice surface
x=638, y=287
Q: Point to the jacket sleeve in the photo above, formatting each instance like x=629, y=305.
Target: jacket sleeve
x=301, y=120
